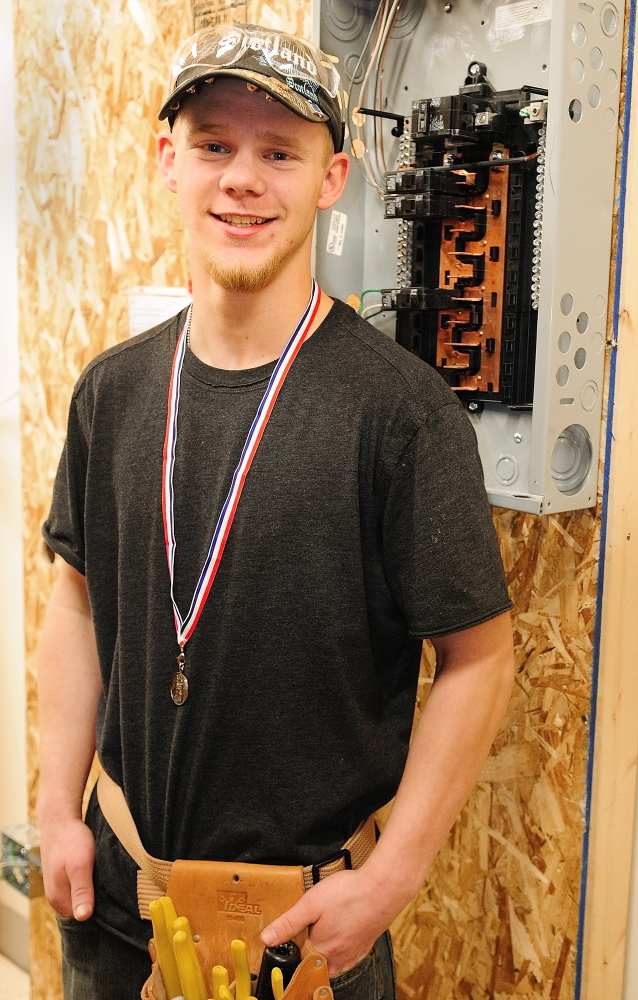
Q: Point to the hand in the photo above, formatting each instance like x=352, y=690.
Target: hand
x=345, y=912
x=68, y=852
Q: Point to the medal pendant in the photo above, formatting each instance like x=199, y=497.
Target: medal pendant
x=179, y=688
x=179, y=683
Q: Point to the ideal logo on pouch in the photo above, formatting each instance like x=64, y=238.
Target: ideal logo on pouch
x=236, y=902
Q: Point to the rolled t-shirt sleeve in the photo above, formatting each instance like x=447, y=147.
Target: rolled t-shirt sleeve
x=440, y=549
x=64, y=528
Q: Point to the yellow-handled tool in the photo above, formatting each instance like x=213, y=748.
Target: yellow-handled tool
x=277, y=981
x=169, y=911
x=220, y=978
x=187, y=972
x=164, y=950
x=242, y=970
x=187, y=962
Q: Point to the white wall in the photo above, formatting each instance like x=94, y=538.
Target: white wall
x=13, y=782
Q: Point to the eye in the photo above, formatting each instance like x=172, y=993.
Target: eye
x=279, y=155
x=214, y=147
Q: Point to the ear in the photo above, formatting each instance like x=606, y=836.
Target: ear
x=335, y=180
x=166, y=159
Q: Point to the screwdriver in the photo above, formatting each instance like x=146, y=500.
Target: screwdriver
x=277, y=981
x=220, y=978
x=286, y=958
x=189, y=964
x=164, y=949
x=169, y=911
x=242, y=970
x=187, y=971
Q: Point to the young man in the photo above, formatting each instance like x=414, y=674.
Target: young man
x=362, y=529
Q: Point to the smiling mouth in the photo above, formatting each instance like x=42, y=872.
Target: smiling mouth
x=243, y=220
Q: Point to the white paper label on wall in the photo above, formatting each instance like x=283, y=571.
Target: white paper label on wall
x=514, y=15
x=336, y=233
x=148, y=306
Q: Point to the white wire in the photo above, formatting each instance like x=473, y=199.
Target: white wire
x=376, y=308
x=362, y=161
x=374, y=178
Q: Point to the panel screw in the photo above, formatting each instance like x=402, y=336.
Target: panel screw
x=518, y=437
x=472, y=407
x=447, y=7
x=475, y=69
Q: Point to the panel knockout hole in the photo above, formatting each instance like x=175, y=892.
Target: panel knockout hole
x=577, y=71
x=580, y=357
x=571, y=459
x=507, y=470
x=593, y=96
x=582, y=322
x=579, y=35
x=566, y=304
x=575, y=110
x=562, y=375
x=609, y=20
x=595, y=58
x=564, y=342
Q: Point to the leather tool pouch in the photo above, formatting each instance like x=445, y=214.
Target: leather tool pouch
x=224, y=901
x=228, y=900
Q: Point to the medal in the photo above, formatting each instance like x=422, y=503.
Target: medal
x=179, y=682
x=185, y=626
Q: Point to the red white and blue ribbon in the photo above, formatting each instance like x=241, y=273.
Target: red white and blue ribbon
x=185, y=626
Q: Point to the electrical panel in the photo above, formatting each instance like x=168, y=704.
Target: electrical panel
x=488, y=237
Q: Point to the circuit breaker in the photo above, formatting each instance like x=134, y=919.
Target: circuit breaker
x=469, y=195
x=488, y=241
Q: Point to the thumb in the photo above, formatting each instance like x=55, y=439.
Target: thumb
x=82, y=896
x=291, y=923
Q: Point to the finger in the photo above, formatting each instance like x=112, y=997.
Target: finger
x=82, y=895
x=291, y=923
x=58, y=892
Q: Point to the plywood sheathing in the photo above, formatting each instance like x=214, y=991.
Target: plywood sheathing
x=498, y=915
x=94, y=221
x=294, y=16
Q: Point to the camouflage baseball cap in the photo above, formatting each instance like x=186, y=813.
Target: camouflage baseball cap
x=293, y=71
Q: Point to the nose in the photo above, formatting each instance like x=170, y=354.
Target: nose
x=242, y=175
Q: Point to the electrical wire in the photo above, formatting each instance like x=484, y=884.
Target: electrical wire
x=368, y=291
x=371, y=160
x=486, y=163
x=361, y=164
x=379, y=89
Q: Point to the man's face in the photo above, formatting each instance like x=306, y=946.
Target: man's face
x=249, y=175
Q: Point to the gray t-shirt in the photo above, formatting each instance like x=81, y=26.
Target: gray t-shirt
x=363, y=528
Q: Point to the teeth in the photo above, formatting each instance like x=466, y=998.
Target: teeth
x=243, y=220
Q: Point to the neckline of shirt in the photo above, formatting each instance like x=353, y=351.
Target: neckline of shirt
x=242, y=378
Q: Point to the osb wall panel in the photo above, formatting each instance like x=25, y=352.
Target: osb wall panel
x=94, y=221
x=498, y=915
x=294, y=16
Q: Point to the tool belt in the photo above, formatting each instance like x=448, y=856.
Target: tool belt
x=230, y=900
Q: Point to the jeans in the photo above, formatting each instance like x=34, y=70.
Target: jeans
x=97, y=965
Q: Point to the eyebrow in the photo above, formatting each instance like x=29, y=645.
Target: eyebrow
x=272, y=138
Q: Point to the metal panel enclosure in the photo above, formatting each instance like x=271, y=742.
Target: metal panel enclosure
x=543, y=459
